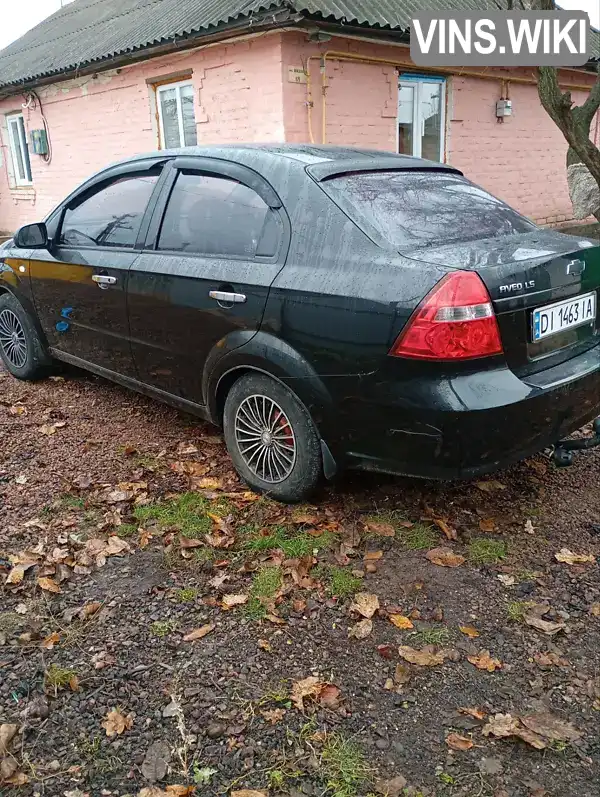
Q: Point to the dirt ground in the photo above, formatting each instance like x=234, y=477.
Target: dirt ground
x=163, y=632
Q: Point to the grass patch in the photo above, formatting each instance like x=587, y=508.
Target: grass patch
x=484, y=551
x=126, y=530
x=293, y=544
x=162, y=628
x=187, y=513
x=516, y=610
x=58, y=677
x=420, y=537
x=265, y=585
x=340, y=582
x=70, y=501
x=186, y=595
x=433, y=636
x=344, y=766
x=91, y=750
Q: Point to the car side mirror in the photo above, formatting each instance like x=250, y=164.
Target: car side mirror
x=32, y=236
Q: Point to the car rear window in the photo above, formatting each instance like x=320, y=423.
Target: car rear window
x=418, y=208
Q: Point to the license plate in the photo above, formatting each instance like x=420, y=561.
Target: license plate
x=564, y=315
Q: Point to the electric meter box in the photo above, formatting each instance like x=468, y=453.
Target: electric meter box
x=503, y=108
x=39, y=142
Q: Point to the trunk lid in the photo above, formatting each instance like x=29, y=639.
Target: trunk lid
x=524, y=272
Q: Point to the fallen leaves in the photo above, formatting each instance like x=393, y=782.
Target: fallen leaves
x=222, y=534
x=475, y=712
x=199, y=633
x=315, y=690
x=483, y=661
x=490, y=486
x=17, y=574
x=444, y=557
x=249, y=793
x=504, y=725
x=273, y=715
x=395, y=787
x=379, y=529
x=427, y=657
x=48, y=429
x=537, y=729
x=457, y=742
x=230, y=601
x=548, y=659
x=116, y=723
x=468, y=630
x=361, y=630
x=448, y=531
x=534, y=616
x=508, y=581
x=570, y=558
x=400, y=621
x=365, y=604
x=8, y=763
x=48, y=584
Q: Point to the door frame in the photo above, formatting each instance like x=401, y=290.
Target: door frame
x=418, y=80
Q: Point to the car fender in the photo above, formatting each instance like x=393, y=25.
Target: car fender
x=267, y=354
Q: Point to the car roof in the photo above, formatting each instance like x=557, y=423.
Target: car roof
x=330, y=159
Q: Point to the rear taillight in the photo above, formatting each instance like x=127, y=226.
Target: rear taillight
x=455, y=321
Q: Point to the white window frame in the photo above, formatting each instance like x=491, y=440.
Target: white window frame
x=16, y=137
x=417, y=82
x=161, y=89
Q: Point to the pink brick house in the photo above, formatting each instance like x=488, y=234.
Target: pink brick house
x=103, y=79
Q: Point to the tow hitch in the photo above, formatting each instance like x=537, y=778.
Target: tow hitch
x=563, y=450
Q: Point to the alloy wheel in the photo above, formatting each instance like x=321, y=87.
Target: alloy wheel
x=265, y=438
x=12, y=339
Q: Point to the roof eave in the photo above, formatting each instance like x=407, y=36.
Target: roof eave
x=227, y=30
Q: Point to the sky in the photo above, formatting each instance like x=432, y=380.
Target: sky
x=18, y=16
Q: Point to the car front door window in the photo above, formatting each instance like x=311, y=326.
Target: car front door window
x=111, y=216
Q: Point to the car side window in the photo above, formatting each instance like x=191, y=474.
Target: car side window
x=111, y=216
x=213, y=215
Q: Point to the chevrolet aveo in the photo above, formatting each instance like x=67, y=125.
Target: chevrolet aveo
x=328, y=307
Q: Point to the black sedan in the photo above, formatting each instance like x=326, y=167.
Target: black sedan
x=329, y=307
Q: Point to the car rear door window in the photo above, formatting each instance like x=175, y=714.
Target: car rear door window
x=419, y=208
x=110, y=216
x=214, y=215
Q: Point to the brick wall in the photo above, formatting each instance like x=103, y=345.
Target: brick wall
x=94, y=121
x=521, y=160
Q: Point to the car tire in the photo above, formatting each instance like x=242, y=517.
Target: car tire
x=21, y=348
x=272, y=439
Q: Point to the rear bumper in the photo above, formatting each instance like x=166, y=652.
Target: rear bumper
x=467, y=425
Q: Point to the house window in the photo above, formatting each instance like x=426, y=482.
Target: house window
x=421, y=116
x=177, y=121
x=18, y=149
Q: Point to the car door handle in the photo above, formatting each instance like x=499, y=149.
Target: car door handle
x=224, y=297
x=103, y=280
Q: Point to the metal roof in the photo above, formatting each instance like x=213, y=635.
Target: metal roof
x=90, y=31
